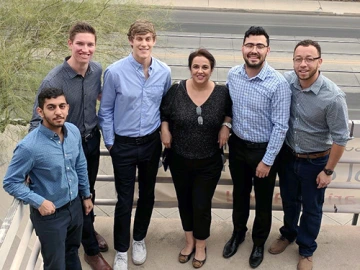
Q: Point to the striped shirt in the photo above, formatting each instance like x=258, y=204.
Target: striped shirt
x=261, y=107
x=318, y=115
x=81, y=93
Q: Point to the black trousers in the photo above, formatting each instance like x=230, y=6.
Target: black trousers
x=243, y=160
x=195, y=182
x=60, y=236
x=126, y=158
x=92, y=153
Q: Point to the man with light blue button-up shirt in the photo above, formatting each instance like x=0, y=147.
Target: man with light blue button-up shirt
x=130, y=119
x=261, y=107
x=53, y=157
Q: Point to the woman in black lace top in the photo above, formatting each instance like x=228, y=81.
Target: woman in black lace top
x=196, y=122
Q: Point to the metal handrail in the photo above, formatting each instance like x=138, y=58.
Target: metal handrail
x=8, y=231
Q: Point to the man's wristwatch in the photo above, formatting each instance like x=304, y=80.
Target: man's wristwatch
x=227, y=124
x=86, y=197
x=328, y=171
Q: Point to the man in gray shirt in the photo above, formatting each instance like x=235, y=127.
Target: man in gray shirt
x=80, y=79
x=316, y=139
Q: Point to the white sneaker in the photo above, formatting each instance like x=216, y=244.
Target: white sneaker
x=121, y=261
x=138, y=252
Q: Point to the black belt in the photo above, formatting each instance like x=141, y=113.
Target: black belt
x=66, y=205
x=252, y=145
x=90, y=135
x=311, y=155
x=137, y=140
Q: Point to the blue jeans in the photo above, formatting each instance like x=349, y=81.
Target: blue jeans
x=298, y=188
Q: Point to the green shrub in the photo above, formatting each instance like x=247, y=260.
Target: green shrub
x=33, y=40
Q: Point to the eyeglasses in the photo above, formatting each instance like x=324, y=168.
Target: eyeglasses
x=258, y=46
x=308, y=60
x=200, y=119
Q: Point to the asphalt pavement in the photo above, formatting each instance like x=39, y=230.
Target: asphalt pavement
x=275, y=6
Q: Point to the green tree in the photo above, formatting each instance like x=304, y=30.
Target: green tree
x=33, y=37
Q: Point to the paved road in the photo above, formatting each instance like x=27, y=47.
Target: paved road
x=229, y=22
x=341, y=57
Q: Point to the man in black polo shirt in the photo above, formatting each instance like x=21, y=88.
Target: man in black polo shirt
x=80, y=79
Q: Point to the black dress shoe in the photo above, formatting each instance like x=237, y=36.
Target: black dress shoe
x=232, y=245
x=257, y=256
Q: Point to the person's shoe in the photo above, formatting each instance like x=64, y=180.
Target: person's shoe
x=305, y=263
x=257, y=256
x=121, y=261
x=232, y=245
x=138, y=252
x=197, y=263
x=97, y=262
x=279, y=245
x=185, y=258
x=103, y=246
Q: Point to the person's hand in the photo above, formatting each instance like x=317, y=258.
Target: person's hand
x=88, y=206
x=262, y=170
x=166, y=138
x=223, y=136
x=109, y=147
x=323, y=180
x=27, y=180
x=47, y=208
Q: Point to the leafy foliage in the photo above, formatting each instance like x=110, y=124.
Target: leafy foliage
x=33, y=40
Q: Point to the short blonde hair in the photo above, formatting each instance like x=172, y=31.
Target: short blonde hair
x=141, y=27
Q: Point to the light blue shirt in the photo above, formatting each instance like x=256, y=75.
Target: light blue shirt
x=57, y=169
x=261, y=107
x=319, y=115
x=130, y=102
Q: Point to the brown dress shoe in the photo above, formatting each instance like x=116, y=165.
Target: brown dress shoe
x=279, y=245
x=103, y=246
x=305, y=263
x=97, y=262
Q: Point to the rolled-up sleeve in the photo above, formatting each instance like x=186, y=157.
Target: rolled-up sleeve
x=337, y=119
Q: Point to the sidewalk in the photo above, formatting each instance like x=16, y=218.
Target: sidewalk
x=337, y=248
x=275, y=6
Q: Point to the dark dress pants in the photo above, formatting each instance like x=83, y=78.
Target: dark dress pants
x=92, y=153
x=298, y=188
x=126, y=158
x=195, y=182
x=243, y=160
x=60, y=236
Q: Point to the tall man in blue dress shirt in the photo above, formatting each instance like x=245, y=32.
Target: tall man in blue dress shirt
x=318, y=123
x=53, y=157
x=80, y=79
x=130, y=120
x=261, y=102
